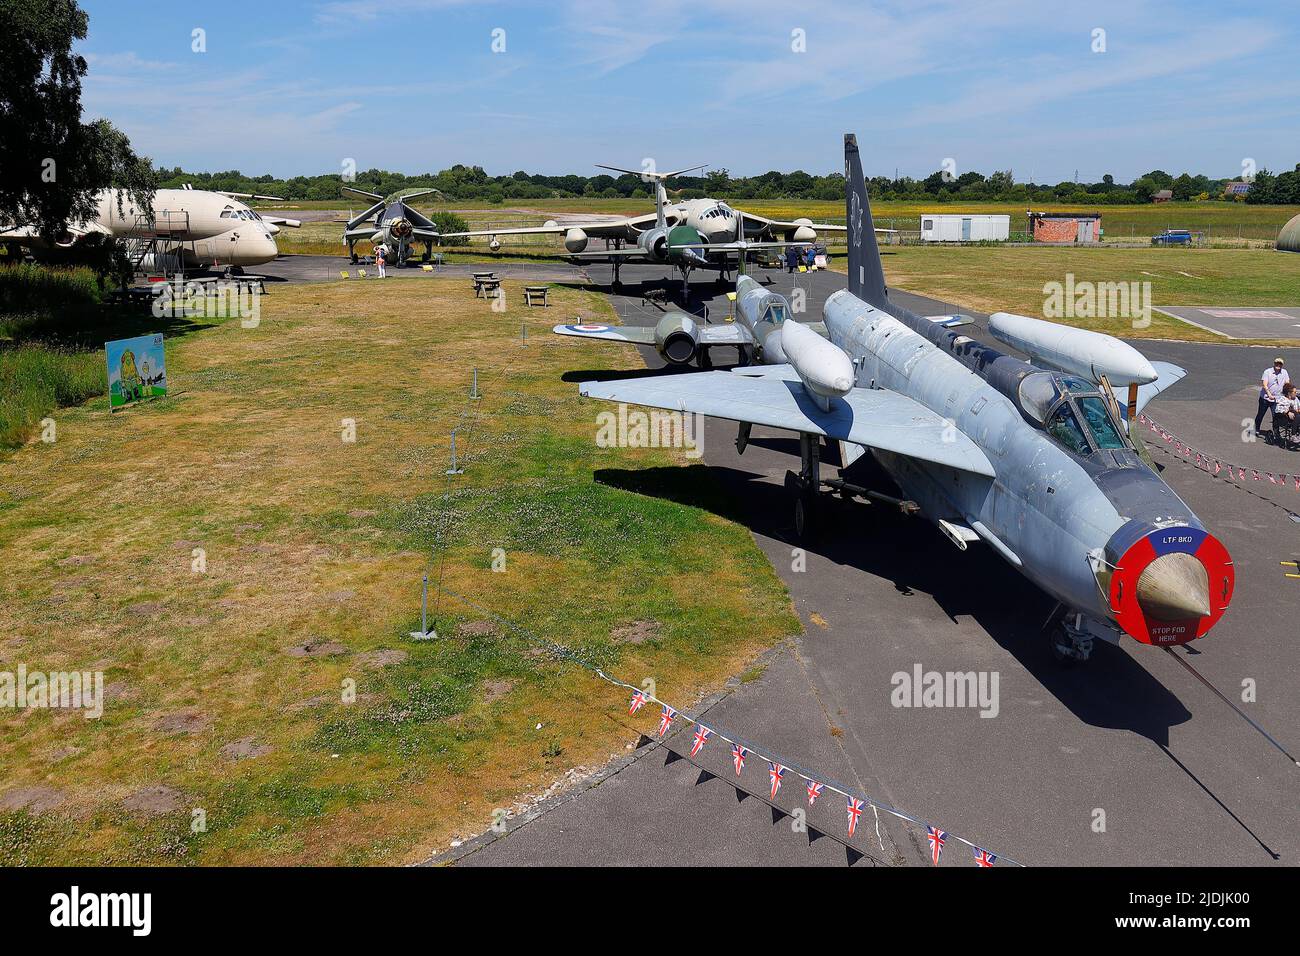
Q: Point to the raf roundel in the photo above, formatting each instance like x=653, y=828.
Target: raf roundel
x=588, y=328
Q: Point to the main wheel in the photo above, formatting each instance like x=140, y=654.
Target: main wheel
x=805, y=517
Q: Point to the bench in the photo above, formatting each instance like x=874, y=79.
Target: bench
x=482, y=279
x=538, y=292
x=487, y=288
x=252, y=283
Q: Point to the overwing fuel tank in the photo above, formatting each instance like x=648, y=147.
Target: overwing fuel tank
x=825, y=369
x=1080, y=352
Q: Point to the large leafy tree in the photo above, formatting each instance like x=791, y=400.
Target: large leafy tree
x=52, y=164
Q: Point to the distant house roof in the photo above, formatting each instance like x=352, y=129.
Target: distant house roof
x=1162, y=195
x=1237, y=189
x=1063, y=215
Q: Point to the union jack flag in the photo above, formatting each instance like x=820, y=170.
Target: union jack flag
x=702, y=734
x=638, y=701
x=738, y=755
x=776, y=772
x=814, y=791
x=936, y=838
x=666, y=719
x=1217, y=467
x=983, y=857
x=855, y=811
x=1255, y=475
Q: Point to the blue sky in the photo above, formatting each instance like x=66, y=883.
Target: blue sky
x=298, y=86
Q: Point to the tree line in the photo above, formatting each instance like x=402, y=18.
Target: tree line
x=462, y=182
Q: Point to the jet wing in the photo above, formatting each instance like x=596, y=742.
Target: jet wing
x=610, y=229
x=635, y=334
x=1169, y=375
x=730, y=333
x=784, y=224
x=773, y=396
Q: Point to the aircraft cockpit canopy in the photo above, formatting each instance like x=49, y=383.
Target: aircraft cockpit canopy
x=721, y=209
x=1071, y=410
x=774, y=312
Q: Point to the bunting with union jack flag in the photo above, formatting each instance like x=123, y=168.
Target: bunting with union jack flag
x=738, y=755
x=855, y=811
x=702, y=734
x=983, y=857
x=666, y=719
x=776, y=772
x=814, y=791
x=638, y=701
x=937, y=838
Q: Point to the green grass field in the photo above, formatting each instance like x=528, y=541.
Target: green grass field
x=275, y=688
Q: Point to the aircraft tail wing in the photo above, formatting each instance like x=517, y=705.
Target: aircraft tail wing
x=866, y=273
x=774, y=397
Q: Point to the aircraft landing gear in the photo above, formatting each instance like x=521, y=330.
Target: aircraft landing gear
x=617, y=264
x=1071, y=640
x=805, y=486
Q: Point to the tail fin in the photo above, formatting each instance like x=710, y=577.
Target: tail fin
x=866, y=274
x=661, y=202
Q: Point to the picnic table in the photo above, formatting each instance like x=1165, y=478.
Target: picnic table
x=484, y=280
x=539, y=292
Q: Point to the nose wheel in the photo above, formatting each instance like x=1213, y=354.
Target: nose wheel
x=1070, y=640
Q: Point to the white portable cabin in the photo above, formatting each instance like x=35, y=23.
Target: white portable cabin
x=956, y=227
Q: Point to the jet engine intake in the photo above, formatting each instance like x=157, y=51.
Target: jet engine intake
x=677, y=338
x=803, y=232
x=655, y=243
x=575, y=240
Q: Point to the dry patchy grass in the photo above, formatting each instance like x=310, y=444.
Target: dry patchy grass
x=313, y=543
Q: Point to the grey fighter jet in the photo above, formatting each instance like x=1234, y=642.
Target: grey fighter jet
x=393, y=223
x=1032, y=461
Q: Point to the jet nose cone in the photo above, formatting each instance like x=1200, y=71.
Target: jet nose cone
x=1174, y=587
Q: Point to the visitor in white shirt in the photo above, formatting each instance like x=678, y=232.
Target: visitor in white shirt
x=1270, y=389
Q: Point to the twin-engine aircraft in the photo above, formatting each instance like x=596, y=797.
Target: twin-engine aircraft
x=1034, y=461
